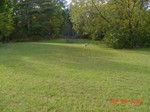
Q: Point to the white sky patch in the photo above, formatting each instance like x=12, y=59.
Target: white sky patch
x=69, y=1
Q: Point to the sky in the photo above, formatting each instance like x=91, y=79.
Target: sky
x=68, y=1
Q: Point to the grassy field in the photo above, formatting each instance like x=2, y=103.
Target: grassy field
x=65, y=76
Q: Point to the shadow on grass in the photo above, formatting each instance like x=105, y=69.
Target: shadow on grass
x=68, y=57
x=74, y=70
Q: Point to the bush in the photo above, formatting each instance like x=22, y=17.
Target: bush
x=1, y=37
x=122, y=38
x=117, y=38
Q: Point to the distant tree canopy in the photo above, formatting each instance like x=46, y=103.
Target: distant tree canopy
x=124, y=23
x=37, y=18
x=25, y=20
x=6, y=23
x=121, y=23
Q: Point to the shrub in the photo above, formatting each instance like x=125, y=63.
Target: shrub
x=122, y=38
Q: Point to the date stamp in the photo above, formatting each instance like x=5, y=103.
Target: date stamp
x=125, y=101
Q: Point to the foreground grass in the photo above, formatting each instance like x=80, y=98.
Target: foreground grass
x=64, y=76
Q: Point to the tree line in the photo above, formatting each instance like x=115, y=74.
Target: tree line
x=27, y=20
x=120, y=23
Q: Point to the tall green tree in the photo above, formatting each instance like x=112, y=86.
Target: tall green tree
x=129, y=23
x=36, y=18
x=86, y=18
x=125, y=23
x=6, y=23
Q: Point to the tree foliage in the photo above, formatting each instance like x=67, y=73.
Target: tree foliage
x=121, y=23
x=125, y=23
x=6, y=23
x=36, y=18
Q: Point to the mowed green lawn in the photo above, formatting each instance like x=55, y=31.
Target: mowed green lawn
x=65, y=76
